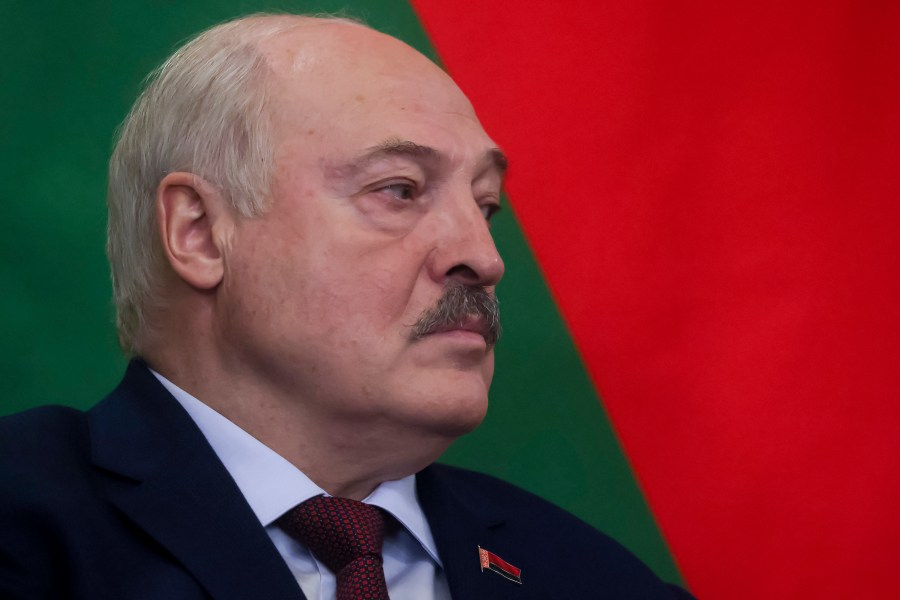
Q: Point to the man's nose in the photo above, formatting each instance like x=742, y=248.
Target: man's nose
x=464, y=247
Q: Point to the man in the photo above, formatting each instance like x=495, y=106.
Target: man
x=304, y=274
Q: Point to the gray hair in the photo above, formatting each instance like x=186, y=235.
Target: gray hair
x=204, y=111
x=458, y=303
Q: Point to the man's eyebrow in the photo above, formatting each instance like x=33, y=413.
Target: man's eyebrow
x=494, y=157
x=398, y=147
x=499, y=160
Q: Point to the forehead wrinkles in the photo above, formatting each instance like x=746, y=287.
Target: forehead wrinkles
x=336, y=79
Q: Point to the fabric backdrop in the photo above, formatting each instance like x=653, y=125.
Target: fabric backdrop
x=713, y=193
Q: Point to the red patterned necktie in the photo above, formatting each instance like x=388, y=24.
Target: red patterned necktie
x=346, y=535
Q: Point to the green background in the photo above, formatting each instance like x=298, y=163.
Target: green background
x=69, y=76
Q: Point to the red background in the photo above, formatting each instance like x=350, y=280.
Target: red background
x=712, y=192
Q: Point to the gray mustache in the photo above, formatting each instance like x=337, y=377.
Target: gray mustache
x=459, y=304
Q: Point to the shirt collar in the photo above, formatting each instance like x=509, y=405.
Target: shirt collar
x=272, y=485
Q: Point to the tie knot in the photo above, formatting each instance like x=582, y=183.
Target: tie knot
x=338, y=531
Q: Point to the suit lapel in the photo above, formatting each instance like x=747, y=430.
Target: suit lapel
x=460, y=524
x=173, y=486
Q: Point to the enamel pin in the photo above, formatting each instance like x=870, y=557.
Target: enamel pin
x=494, y=563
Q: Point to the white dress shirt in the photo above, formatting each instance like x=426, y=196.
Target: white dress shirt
x=272, y=486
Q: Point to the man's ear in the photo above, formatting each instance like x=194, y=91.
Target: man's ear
x=195, y=223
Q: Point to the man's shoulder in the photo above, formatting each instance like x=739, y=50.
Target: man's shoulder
x=484, y=487
x=43, y=448
x=533, y=526
x=39, y=432
x=516, y=504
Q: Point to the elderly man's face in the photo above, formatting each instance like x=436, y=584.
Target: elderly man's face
x=384, y=184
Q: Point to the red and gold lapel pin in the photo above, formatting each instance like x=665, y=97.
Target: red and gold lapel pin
x=494, y=563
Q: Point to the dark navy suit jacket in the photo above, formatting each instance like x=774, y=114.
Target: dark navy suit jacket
x=129, y=501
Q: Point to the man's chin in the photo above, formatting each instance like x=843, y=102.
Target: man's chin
x=451, y=415
x=463, y=422
x=440, y=400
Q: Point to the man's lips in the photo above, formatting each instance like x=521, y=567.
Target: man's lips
x=471, y=325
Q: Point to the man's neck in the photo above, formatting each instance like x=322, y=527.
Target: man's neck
x=344, y=457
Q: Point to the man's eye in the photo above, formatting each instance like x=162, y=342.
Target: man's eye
x=400, y=191
x=489, y=210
